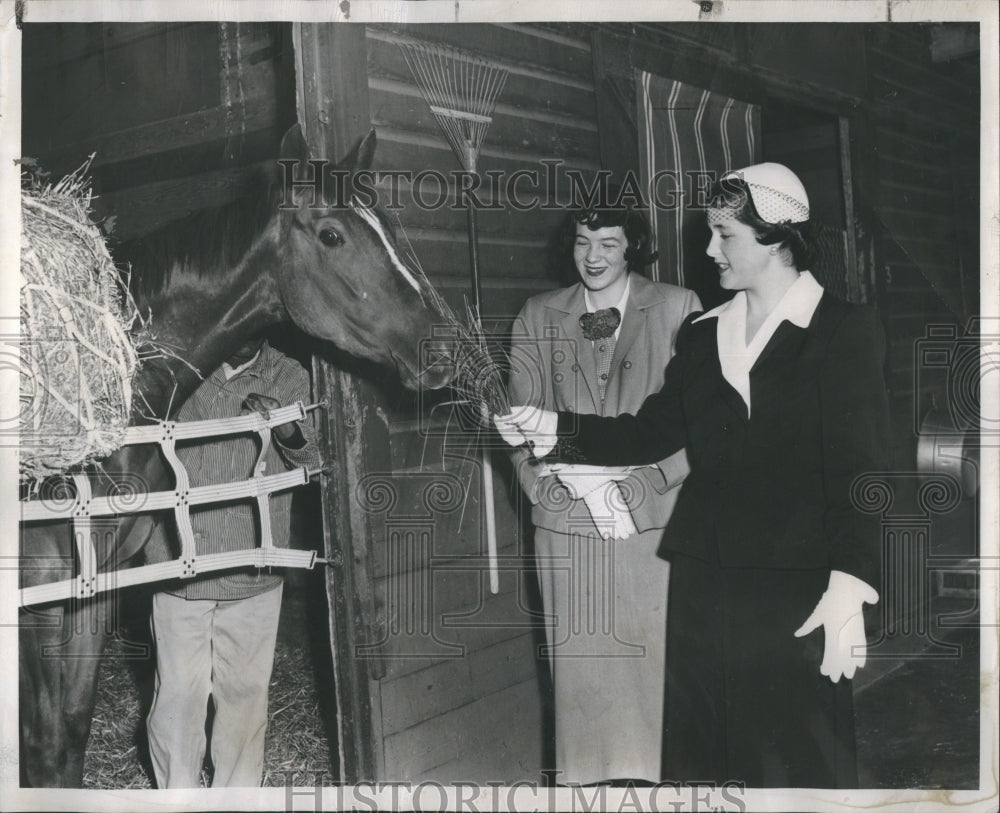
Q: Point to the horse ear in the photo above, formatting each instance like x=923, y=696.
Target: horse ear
x=293, y=144
x=362, y=154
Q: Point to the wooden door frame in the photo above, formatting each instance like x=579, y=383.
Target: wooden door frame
x=333, y=108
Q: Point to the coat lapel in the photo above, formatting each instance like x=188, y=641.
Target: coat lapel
x=732, y=398
x=633, y=324
x=784, y=332
x=729, y=394
x=581, y=346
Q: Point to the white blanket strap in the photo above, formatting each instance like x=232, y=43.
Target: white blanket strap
x=84, y=505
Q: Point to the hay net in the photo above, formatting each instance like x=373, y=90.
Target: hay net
x=78, y=358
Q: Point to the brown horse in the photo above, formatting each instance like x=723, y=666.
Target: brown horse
x=211, y=282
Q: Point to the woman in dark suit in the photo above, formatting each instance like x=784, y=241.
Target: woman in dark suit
x=779, y=400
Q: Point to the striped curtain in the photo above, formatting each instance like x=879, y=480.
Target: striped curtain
x=688, y=136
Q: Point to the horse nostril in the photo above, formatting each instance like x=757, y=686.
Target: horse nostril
x=437, y=363
x=439, y=353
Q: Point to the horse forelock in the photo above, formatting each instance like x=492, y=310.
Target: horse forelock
x=378, y=225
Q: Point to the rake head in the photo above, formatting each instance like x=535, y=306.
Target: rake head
x=461, y=91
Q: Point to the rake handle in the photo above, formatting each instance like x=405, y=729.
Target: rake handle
x=491, y=522
x=477, y=291
x=477, y=297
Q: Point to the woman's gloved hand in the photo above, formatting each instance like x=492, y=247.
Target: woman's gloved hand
x=839, y=612
x=581, y=479
x=598, y=487
x=531, y=425
x=610, y=512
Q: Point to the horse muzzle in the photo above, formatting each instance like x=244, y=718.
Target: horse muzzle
x=435, y=365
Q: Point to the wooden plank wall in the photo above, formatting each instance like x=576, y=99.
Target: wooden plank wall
x=178, y=114
x=914, y=130
x=546, y=111
x=164, y=149
x=465, y=703
x=925, y=120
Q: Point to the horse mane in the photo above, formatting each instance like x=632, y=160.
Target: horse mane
x=207, y=241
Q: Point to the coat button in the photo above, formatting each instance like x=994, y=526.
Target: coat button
x=604, y=376
x=557, y=377
x=627, y=365
x=575, y=368
x=558, y=357
x=603, y=348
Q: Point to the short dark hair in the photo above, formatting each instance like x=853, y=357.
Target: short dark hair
x=733, y=193
x=638, y=235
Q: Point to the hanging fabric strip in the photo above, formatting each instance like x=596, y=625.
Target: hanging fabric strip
x=688, y=137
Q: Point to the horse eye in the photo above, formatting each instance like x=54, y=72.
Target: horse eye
x=329, y=237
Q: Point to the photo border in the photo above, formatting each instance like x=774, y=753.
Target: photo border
x=521, y=796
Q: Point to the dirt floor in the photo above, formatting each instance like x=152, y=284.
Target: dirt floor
x=918, y=723
x=297, y=748
x=917, y=717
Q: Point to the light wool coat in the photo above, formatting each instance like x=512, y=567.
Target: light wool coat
x=605, y=602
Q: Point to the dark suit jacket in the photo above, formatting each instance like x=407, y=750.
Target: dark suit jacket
x=773, y=490
x=553, y=367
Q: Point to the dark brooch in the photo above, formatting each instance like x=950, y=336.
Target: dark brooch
x=600, y=324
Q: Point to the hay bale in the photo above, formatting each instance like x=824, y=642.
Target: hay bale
x=78, y=358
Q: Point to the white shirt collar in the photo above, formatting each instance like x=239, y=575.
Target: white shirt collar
x=230, y=372
x=622, y=302
x=736, y=357
x=797, y=305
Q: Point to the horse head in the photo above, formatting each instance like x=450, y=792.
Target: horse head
x=341, y=277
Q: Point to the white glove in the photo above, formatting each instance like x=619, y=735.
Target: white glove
x=839, y=612
x=531, y=425
x=610, y=512
x=581, y=479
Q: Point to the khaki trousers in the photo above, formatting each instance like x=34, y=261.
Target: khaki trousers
x=218, y=649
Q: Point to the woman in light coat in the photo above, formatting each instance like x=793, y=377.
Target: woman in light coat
x=599, y=347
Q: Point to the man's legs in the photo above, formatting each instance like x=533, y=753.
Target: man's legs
x=244, y=636
x=182, y=630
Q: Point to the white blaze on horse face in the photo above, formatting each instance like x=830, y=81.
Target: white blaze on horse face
x=369, y=217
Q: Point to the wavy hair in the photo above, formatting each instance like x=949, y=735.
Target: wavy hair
x=795, y=238
x=638, y=235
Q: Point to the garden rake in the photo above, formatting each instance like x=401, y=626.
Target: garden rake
x=461, y=91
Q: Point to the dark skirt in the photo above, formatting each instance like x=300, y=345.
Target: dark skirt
x=745, y=701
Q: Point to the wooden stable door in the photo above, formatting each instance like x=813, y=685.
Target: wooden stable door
x=436, y=678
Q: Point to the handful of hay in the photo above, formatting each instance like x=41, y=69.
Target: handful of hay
x=77, y=356
x=481, y=364
x=481, y=370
